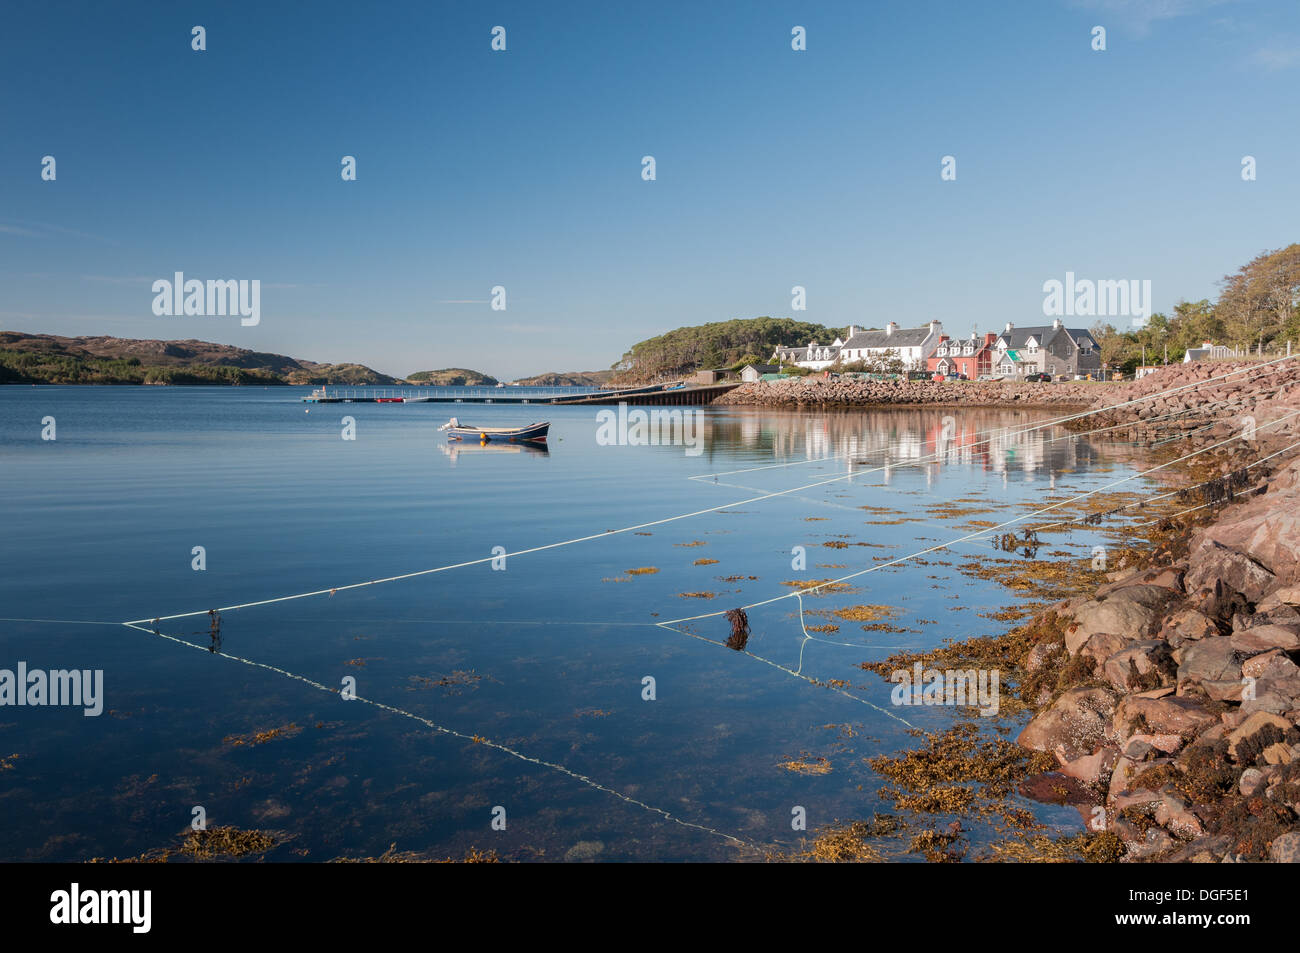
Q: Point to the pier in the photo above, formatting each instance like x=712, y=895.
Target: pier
x=654, y=394
x=659, y=397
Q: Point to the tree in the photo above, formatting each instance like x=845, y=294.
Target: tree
x=1111, y=344
x=1259, y=301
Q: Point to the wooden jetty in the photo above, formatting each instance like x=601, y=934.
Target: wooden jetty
x=665, y=397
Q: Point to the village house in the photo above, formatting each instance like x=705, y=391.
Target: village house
x=1209, y=351
x=911, y=346
x=815, y=356
x=1047, y=349
x=970, y=357
x=757, y=372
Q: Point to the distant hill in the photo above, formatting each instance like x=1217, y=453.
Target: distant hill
x=51, y=359
x=567, y=379
x=452, y=377
x=720, y=344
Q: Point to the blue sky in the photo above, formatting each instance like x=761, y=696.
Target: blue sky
x=523, y=169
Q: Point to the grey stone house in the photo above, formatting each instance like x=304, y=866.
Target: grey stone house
x=1045, y=349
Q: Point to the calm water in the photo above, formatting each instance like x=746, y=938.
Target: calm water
x=545, y=657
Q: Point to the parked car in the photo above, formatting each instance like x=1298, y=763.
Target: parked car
x=1038, y=378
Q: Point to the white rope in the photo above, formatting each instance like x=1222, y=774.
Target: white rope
x=477, y=739
x=63, y=621
x=789, y=671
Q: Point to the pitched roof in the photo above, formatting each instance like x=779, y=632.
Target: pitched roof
x=902, y=337
x=1043, y=333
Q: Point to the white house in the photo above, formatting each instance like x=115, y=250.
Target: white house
x=1208, y=351
x=913, y=346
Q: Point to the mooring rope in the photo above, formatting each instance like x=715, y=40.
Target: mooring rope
x=63, y=621
x=476, y=739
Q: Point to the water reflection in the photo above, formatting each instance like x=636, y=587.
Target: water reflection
x=994, y=441
x=524, y=447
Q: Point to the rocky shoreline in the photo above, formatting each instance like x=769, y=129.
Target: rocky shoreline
x=817, y=391
x=1165, y=705
x=1174, y=710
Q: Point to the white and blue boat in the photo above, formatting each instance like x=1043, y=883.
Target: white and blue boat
x=533, y=433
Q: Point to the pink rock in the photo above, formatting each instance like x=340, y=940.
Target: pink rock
x=1093, y=768
x=1176, y=716
x=1075, y=725
x=1262, y=638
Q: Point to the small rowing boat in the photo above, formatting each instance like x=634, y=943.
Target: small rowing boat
x=535, y=433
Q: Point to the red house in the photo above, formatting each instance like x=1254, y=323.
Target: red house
x=970, y=358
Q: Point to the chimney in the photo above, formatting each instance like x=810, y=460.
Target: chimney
x=852, y=330
x=935, y=326
x=890, y=328
x=1056, y=324
x=1009, y=328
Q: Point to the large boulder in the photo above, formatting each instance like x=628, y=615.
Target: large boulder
x=1175, y=815
x=1285, y=848
x=1255, y=734
x=1261, y=638
x=1277, y=695
x=1211, y=561
x=1286, y=596
x=1208, y=660
x=1139, y=665
x=1076, y=725
x=1131, y=612
x=1159, y=716
x=1273, y=664
x=1255, y=551
x=1092, y=768
x=1187, y=625
x=1165, y=577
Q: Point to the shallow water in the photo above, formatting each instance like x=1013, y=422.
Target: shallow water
x=543, y=660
